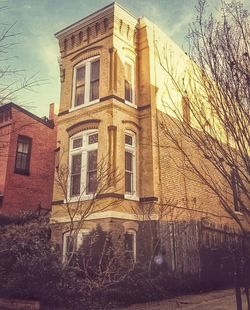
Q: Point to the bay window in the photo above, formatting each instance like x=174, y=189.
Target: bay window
x=86, y=82
x=83, y=164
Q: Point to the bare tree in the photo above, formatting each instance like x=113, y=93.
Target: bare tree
x=78, y=209
x=12, y=79
x=211, y=129
x=101, y=257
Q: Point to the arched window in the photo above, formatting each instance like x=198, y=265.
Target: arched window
x=86, y=82
x=83, y=164
x=130, y=164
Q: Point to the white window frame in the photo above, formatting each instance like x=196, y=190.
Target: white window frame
x=132, y=64
x=133, y=150
x=87, y=102
x=79, y=240
x=83, y=150
x=133, y=233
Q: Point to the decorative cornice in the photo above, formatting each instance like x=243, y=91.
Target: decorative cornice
x=132, y=123
x=83, y=123
x=86, y=50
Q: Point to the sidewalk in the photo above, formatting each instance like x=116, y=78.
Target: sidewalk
x=216, y=300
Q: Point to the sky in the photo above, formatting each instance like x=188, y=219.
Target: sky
x=36, y=49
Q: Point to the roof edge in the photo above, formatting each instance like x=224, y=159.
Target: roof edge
x=85, y=19
x=6, y=106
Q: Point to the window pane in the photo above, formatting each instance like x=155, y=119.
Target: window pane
x=80, y=76
x=92, y=160
x=128, y=161
x=21, y=161
x=129, y=242
x=128, y=182
x=128, y=140
x=77, y=143
x=93, y=138
x=92, y=182
x=81, y=238
x=75, y=184
x=94, y=80
x=79, y=98
x=128, y=72
x=95, y=70
x=76, y=164
x=94, y=90
x=128, y=91
x=23, y=147
x=70, y=244
x=92, y=172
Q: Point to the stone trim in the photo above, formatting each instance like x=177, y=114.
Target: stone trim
x=110, y=195
x=144, y=107
x=80, y=126
x=148, y=199
x=57, y=202
x=63, y=113
x=112, y=97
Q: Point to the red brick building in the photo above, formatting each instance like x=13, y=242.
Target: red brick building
x=27, y=145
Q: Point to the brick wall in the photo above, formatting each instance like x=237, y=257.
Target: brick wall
x=27, y=192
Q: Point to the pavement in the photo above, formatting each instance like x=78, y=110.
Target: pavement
x=216, y=300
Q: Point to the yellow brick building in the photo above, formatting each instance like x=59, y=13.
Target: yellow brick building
x=112, y=85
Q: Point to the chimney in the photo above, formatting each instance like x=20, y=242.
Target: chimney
x=52, y=111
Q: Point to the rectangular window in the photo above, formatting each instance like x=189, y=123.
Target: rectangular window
x=94, y=80
x=128, y=172
x=76, y=163
x=128, y=82
x=72, y=242
x=23, y=154
x=92, y=172
x=80, y=86
x=130, y=244
x=86, y=82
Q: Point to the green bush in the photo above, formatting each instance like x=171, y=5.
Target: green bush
x=30, y=267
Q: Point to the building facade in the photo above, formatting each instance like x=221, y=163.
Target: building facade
x=27, y=152
x=113, y=160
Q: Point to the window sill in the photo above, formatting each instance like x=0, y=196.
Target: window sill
x=84, y=105
x=130, y=104
x=21, y=172
x=78, y=199
x=131, y=197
